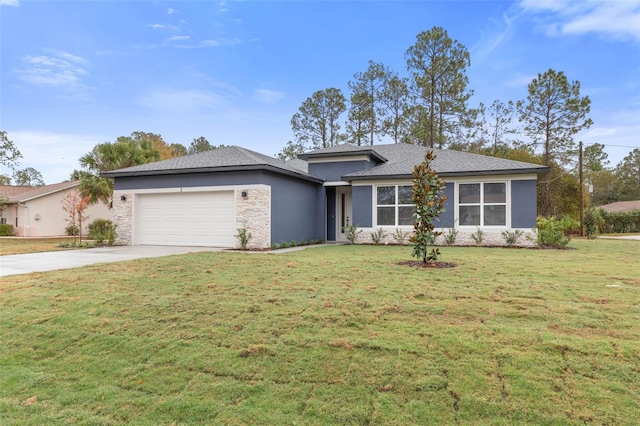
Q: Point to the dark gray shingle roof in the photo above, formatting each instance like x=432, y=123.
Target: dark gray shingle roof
x=299, y=164
x=231, y=158
x=402, y=158
x=396, y=161
x=344, y=150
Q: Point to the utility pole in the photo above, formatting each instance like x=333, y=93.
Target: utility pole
x=581, y=193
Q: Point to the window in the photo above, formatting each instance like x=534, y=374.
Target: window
x=482, y=204
x=394, y=205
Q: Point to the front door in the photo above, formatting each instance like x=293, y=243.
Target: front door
x=343, y=211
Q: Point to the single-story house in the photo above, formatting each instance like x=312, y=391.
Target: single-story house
x=37, y=212
x=203, y=199
x=622, y=206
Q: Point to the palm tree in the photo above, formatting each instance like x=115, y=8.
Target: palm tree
x=125, y=152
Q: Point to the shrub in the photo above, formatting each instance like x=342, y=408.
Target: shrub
x=243, y=237
x=284, y=244
x=6, y=230
x=569, y=225
x=72, y=230
x=102, y=231
x=352, y=232
x=511, y=237
x=275, y=246
x=591, y=222
x=450, y=237
x=400, y=236
x=293, y=243
x=478, y=236
x=619, y=222
x=378, y=236
x=551, y=233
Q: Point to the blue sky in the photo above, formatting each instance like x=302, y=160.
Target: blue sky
x=78, y=73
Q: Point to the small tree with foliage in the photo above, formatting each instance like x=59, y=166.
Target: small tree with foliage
x=429, y=199
x=75, y=205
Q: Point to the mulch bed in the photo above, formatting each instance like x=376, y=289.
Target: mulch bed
x=420, y=264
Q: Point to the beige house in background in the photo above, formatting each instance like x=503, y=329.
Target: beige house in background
x=37, y=212
x=622, y=206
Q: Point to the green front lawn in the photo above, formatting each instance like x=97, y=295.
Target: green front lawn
x=333, y=335
x=13, y=245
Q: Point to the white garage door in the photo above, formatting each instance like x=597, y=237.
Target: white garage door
x=185, y=219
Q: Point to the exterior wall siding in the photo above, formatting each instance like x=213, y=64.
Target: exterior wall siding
x=362, y=198
x=523, y=203
x=297, y=209
x=52, y=220
x=333, y=172
x=447, y=219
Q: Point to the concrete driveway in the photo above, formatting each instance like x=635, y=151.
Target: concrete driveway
x=53, y=260
x=624, y=237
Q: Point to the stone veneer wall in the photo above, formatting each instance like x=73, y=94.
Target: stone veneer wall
x=491, y=238
x=122, y=215
x=254, y=212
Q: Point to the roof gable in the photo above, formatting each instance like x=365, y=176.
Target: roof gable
x=42, y=191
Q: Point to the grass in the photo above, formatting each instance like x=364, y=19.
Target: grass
x=335, y=335
x=14, y=245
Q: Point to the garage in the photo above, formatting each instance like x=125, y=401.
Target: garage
x=185, y=219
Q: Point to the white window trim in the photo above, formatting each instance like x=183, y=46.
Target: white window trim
x=507, y=204
x=375, y=204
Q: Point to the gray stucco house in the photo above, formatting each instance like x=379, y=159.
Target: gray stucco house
x=202, y=199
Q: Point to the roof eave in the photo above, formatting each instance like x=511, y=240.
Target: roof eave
x=370, y=152
x=451, y=174
x=257, y=167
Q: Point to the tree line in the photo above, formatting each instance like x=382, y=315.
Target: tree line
x=430, y=107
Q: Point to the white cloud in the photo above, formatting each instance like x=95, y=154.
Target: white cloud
x=59, y=69
x=55, y=155
x=163, y=27
x=9, y=3
x=222, y=7
x=268, y=96
x=171, y=11
x=614, y=19
x=492, y=38
x=179, y=38
x=68, y=56
x=220, y=42
x=619, y=19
